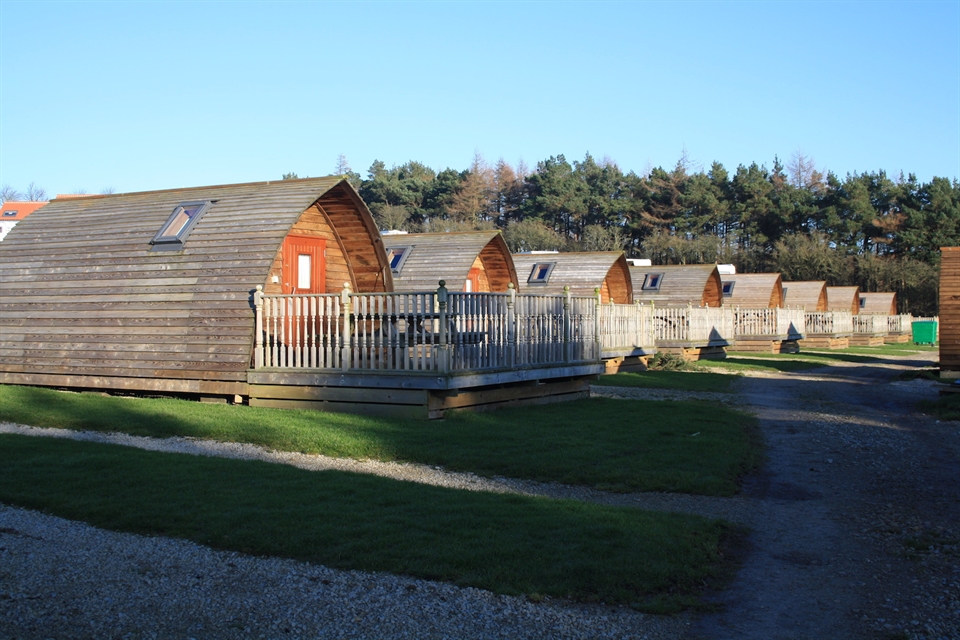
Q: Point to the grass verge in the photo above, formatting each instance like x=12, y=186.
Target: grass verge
x=656, y=562
x=946, y=407
x=676, y=380
x=614, y=445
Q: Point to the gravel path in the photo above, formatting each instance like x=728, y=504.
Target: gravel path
x=854, y=522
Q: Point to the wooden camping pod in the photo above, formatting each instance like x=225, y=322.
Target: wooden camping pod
x=467, y=261
x=809, y=295
x=753, y=290
x=843, y=299
x=89, y=300
x=549, y=273
x=678, y=285
x=881, y=302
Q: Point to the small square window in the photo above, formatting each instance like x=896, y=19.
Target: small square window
x=396, y=256
x=540, y=273
x=10, y=212
x=863, y=302
x=728, y=288
x=651, y=282
x=178, y=226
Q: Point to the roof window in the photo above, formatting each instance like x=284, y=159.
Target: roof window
x=540, y=273
x=396, y=256
x=651, y=282
x=178, y=226
x=10, y=212
x=728, y=288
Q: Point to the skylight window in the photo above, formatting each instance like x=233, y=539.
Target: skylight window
x=540, y=273
x=728, y=288
x=10, y=212
x=396, y=256
x=178, y=226
x=651, y=282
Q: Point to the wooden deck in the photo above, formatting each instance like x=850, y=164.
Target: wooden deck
x=423, y=353
x=771, y=330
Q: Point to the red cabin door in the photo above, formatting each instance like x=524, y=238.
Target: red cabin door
x=473, y=281
x=304, y=265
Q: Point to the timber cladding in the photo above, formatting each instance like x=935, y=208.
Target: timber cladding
x=754, y=290
x=582, y=272
x=809, y=295
x=88, y=302
x=950, y=309
x=695, y=285
x=881, y=302
x=843, y=299
x=452, y=257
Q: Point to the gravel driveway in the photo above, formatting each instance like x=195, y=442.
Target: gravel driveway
x=854, y=519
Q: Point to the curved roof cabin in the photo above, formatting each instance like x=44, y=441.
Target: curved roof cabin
x=753, y=290
x=678, y=285
x=584, y=272
x=466, y=261
x=843, y=299
x=883, y=302
x=809, y=295
x=153, y=291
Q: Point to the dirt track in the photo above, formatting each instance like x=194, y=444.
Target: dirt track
x=857, y=523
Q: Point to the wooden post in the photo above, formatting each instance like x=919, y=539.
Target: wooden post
x=511, y=346
x=443, y=349
x=258, y=349
x=346, y=354
x=598, y=313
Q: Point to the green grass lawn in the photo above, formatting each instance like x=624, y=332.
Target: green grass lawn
x=692, y=380
x=616, y=445
x=895, y=349
x=509, y=544
x=946, y=407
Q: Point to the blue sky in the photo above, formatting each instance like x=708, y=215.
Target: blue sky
x=137, y=95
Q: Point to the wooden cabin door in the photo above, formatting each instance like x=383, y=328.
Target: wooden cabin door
x=473, y=281
x=304, y=264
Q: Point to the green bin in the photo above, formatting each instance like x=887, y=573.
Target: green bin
x=924, y=331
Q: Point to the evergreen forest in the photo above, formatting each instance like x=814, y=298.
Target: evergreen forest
x=879, y=232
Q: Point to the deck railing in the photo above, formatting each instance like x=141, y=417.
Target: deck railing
x=829, y=322
x=626, y=329
x=900, y=323
x=870, y=324
x=702, y=326
x=784, y=324
x=435, y=331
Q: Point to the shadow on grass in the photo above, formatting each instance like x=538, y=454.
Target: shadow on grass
x=505, y=543
x=614, y=445
x=946, y=407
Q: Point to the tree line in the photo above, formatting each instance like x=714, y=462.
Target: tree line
x=872, y=230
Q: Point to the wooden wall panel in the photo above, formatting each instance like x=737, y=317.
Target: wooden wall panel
x=950, y=309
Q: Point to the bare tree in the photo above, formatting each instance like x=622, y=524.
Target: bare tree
x=9, y=193
x=107, y=191
x=35, y=193
x=802, y=171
